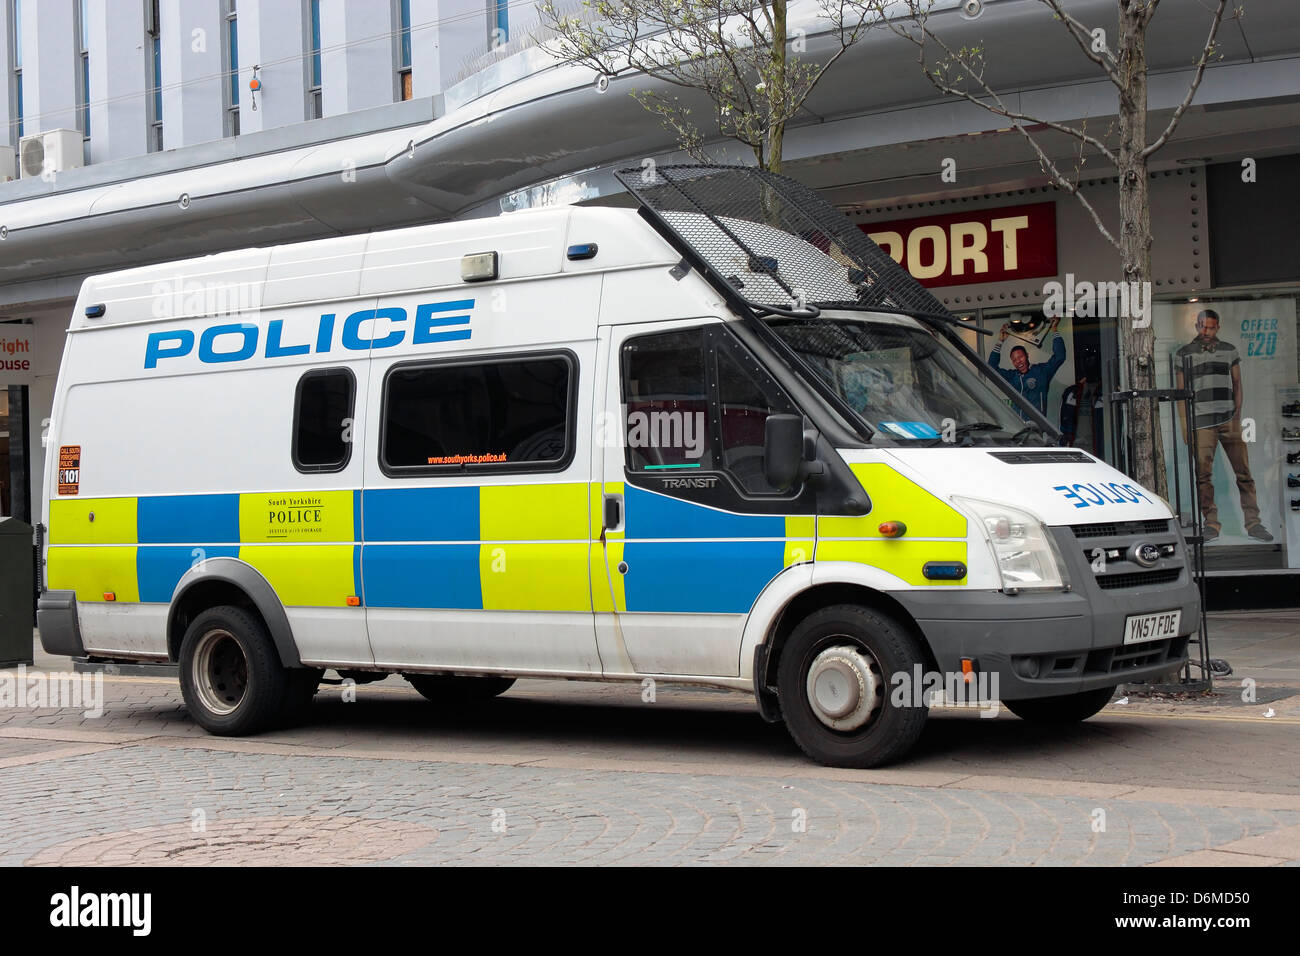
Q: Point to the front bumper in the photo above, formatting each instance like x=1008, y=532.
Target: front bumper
x=1058, y=642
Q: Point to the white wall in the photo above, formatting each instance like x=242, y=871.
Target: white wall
x=273, y=34
x=357, y=73
x=50, y=65
x=193, y=37
x=119, y=79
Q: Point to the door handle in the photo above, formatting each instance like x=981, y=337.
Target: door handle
x=613, y=512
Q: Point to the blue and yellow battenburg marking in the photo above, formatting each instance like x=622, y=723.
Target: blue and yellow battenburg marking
x=935, y=530
x=534, y=547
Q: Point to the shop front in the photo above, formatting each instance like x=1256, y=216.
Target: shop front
x=1029, y=268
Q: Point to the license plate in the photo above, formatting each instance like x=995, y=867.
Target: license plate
x=1151, y=627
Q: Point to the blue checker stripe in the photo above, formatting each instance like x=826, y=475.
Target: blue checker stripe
x=159, y=569
x=422, y=576
x=657, y=516
x=177, y=519
x=420, y=514
x=706, y=577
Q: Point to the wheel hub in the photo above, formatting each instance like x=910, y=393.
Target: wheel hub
x=220, y=672
x=844, y=688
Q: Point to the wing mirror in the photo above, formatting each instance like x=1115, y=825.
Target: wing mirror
x=789, y=452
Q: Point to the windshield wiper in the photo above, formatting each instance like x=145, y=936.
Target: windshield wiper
x=1020, y=436
x=978, y=427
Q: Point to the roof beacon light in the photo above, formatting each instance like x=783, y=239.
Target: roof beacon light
x=479, y=267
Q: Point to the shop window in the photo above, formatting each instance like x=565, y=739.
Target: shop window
x=1237, y=354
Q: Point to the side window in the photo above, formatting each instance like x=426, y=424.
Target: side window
x=510, y=414
x=747, y=395
x=696, y=399
x=322, y=420
x=666, y=400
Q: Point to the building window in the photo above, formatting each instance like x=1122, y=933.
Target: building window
x=314, y=110
x=153, y=43
x=501, y=27
x=83, y=31
x=232, y=64
x=18, y=67
x=404, y=86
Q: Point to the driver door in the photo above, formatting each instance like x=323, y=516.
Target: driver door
x=692, y=532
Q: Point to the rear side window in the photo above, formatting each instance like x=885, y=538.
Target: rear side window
x=322, y=420
x=510, y=414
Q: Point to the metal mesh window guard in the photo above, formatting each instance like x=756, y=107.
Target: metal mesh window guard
x=777, y=243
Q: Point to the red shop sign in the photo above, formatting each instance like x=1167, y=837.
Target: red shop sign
x=965, y=248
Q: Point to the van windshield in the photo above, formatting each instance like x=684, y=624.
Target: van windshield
x=906, y=382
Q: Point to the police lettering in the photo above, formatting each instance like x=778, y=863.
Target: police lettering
x=294, y=516
x=362, y=331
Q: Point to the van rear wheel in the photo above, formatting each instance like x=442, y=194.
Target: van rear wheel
x=231, y=677
x=454, y=689
x=834, y=681
x=1065, y=709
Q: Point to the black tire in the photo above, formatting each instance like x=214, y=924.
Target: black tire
x=889, y=648
x=1066, y=709
x=301, y=684
x=453, y=689
x=231, y=677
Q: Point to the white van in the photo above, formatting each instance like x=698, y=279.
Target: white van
x=722, y=439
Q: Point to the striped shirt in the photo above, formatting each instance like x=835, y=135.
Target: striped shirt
x=1211, y=379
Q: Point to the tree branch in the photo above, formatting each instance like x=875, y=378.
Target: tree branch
x=1081, y=36
x=1206, y=53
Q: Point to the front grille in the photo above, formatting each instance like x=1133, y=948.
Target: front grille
x=1043, y=457
x=1138, y=579
x=1131, y=657
x=1112, y=529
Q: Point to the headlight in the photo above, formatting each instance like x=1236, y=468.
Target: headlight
x=1023, y=548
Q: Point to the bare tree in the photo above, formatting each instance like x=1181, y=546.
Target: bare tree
x=961, y=72
x=739, y=55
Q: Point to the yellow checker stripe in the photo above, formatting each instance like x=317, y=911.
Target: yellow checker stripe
x=900, y=557
x=305, y=575
x=800, y=539
x=533, y=554
x=113, y=521
x=92, y=571
x=309, y=516
x=895, y=497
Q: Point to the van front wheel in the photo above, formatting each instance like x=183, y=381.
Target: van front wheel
x=835, y=682
x=231, y=677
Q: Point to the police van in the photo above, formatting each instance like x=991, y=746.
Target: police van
x=718, y=439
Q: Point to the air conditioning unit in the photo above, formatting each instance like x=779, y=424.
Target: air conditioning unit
x=53, y=151
x=7, y=168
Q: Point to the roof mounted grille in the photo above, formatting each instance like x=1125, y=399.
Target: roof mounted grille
x=778, y=245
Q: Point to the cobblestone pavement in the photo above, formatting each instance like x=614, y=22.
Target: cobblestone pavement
x=557, y=772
